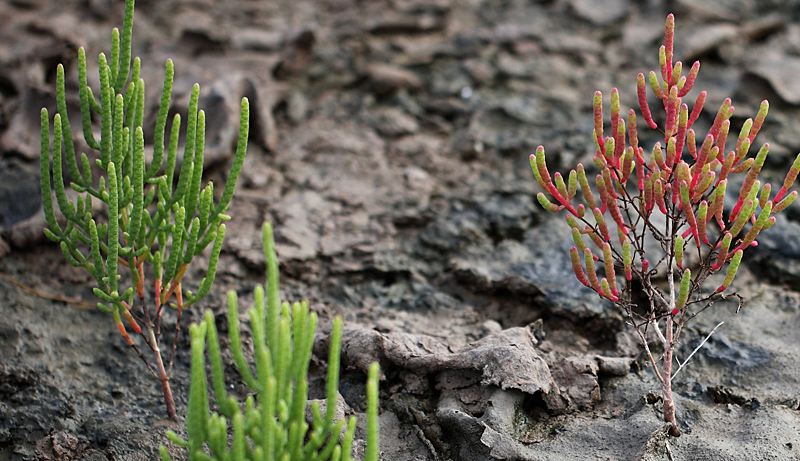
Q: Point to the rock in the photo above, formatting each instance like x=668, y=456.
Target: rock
x=221, y=103
x=577, y=380
x=722, y=394
x=729, y=10
x=777, y=255
x=503, y=408
x=407, y=23
x=415, y=384
x=420, y=186
x=61, y=446
x=537, y=265
x=507, y=359
x=636, y=33
x=20, y=197
x=262, y=120
x=198, y=30
x=396, y=440
x=449, y=78
x=385, y=78
x=21, y=136
x=393, y=122
x=781, y=72
x=526, y=110
x=297, y=56
x=101, y=8
x=449, y=107
x=254, y=39
x=27, y=232
x=601, y=12
x=761, y=27
x=297, y=106
x=491, y=436
x=473, y=440
x=704, y=40
x=491, y=326
x=614, y=366
x=221, y=100
x=732, y=354
x=480, y=71
x=495, y=129
x=508, y=123
x=342, y=409
x=297, y=213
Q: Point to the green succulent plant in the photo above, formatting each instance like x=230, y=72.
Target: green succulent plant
x=151, y=222
x=271, y=424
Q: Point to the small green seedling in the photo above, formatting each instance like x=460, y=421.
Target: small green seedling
x=272, y=425
x=140, y=241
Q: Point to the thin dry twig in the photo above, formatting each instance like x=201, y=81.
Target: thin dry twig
x=73, y=301
x=650, y=355
x=669, y=450
x=699, y=346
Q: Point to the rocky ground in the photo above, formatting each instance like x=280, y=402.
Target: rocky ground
x=390, y=149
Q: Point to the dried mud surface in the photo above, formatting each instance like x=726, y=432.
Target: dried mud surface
x=390, y=149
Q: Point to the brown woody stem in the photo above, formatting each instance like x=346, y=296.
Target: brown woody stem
x=669, y=401
x=666, y=372
x=169, y=402
x=179, y=299
x=150, y=337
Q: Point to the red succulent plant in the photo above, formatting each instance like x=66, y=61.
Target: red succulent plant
x=673, y=195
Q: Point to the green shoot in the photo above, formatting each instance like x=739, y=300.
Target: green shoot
x=140, y=242
x=271, y=426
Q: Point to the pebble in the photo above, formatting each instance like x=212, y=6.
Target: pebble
x=386, y=78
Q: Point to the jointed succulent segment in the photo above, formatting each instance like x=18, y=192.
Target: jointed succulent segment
x=679, y=178
x=150, y=226
x=272, y=425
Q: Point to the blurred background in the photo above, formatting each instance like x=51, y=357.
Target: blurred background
x=389, y=146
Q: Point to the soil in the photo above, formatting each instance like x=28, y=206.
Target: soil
x=389, y=148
